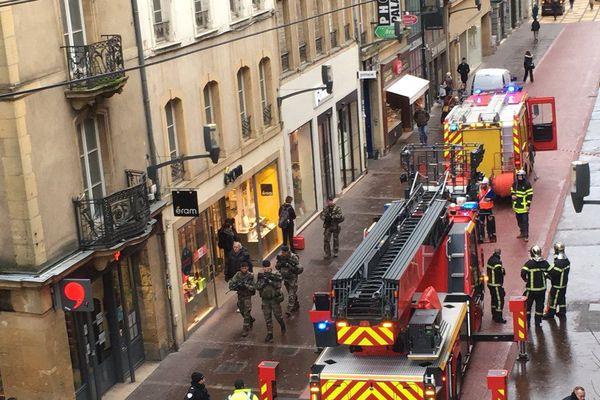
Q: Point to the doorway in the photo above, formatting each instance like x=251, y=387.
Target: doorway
x=324, y=128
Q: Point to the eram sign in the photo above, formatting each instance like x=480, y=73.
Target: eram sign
x=185, y=203
x=388, y=12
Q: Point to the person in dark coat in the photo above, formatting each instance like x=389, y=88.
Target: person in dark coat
x=556, y=7
x=535, y=28
x=238, y=255
x=197, y=390
x=535, y=10
x=464, y=69
x=577, y=394
x=227, y=236
x=529, y=66
x=287, y=215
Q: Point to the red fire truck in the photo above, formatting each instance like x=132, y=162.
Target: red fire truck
x=399, y=317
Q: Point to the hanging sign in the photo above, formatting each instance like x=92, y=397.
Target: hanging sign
x=185, y=203
x=388, y=12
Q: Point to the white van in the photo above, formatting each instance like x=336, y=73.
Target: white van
x=490, y=80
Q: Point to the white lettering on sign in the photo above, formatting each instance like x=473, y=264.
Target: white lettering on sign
x=367, y=74
x=320, y=96
x=388, y=11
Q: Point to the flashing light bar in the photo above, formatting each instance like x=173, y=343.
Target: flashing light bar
x=470, y=205
x=476, y=91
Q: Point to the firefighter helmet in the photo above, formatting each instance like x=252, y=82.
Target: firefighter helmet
x=559, y=250
x=485, y=181
x=535, y=253
x=521, y=172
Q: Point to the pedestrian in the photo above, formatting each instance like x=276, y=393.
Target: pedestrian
x=486, y=218
x=241, y=393
x=495, y=283
x=559, y=276
x=577, y=394
x=238, y=255
x=533, y=274
x=287, y=215
x=449, y=82
x=332, y=217
x=243, y=283
x=463, y=69
x=441, y=93
x=226, y=237
x=529, y=66
x=535, y=10
x=591, y=5
x=268, y=285
x=522, y=194
x=289, y=266
x=571, y=2
x=421, y=117
x=197, y=390
x=555, y=8
x=535, y=28
x=446, y=107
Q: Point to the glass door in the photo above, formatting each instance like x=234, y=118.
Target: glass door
x=324, y=123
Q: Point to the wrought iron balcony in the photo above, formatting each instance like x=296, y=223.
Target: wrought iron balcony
x=267, y=117
x=246, y=127
x=178, y=168
x=107, y=221
x=101, y=63
x=161, y=31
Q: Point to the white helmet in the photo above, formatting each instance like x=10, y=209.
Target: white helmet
x=521, y=172
x=485, y=181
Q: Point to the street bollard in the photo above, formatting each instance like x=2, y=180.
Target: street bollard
x=267, y=374
x=518, y=306
x=496, y=382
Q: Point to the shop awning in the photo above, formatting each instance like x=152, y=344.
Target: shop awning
x=409, y=86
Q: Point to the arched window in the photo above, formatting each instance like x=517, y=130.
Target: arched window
x=264, y=80
x=212, y=109
x=174, y=134
x=244, y=96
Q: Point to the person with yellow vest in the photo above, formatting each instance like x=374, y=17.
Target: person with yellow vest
x=534, y=274
x=495, y=281
x=486, y=217
x=241, y=393
x=522, y=194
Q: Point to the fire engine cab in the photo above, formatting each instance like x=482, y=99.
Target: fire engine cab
x=511, y=126
x=398, y=320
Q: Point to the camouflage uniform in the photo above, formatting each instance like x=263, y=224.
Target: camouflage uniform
x=243, y=284
x=269, y=288
x=289, y=267
x=332, y=218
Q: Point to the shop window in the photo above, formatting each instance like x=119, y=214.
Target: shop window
x=264, y=77
x=267, y=194
x=244, y=96
x=303, y=179
x=212, y=110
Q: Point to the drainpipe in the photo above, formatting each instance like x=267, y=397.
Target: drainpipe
x=145, y=97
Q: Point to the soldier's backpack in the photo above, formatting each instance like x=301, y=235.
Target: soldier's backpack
x=284, y=217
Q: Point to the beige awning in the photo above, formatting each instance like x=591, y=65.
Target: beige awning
x=409, y=86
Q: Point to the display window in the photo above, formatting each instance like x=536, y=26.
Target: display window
x=196, y=268
x=348, y=142
x=303, y=179
x=267, y=195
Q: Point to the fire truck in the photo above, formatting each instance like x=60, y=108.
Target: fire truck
x=399, y=317
x=511, y=126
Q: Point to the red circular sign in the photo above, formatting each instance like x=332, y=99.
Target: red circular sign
x=397, y=67
x=75, y=292
x=409, y=19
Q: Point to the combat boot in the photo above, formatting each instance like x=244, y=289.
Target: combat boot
x=269, y=338
x=283, y=328
x=245, y=331
x=251, y=323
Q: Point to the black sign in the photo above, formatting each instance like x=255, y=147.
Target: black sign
x=388, y=12
x=76, y=295
x=266, y=189
x=185, y=203
x=232, y=174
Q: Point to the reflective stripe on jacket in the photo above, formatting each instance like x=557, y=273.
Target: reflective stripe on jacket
x=495, y=271
x=486, y=199
x=242, y=394
x=559, y=273
x=534, y=275
x=524, y=193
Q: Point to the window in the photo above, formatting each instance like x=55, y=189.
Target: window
x=347, y=20
x=257, y=5
x=283, y=33
x=317, y=10
x=161, y=23
x=73, y=22
x=242, y=83
x=333, y=24
x=235, y=6
x=90, y=158
x=211, y=109
x=302, y=31
x=264, y=74
x=176, y=169
x=201, y=14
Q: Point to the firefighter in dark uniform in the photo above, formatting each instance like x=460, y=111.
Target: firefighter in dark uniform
x=534, y=274
x=522, y=194
x=559, y=276
x=495, y=275
x=268, y=285
x=486, y=217
x=243, y=283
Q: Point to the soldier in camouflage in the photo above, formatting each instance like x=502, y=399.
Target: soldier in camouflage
x=243, y=283
x=269, y=288
x=288, y=265
x=332, y=218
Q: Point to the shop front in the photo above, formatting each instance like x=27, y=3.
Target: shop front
x=303, y=175
x=393, y=116
x=326, y=155
x=348, y=139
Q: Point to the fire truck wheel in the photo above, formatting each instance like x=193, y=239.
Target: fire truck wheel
x=458, y=379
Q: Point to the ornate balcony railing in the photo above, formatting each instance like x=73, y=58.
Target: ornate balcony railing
x=177, y=168
x=161, y=31
x=267, y=117
x=246, y=127
x=107, y=221
x=94, y=61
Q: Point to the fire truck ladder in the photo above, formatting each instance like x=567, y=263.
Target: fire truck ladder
x=362, y=286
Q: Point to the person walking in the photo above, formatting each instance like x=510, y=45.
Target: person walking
x=197, y=390
x=535, y=10
x=577, y=394
x=571, y=2
x=535, y=28
x=463, y=70
x=243, y=283
x=240, y=392
x=268, y=285
x=556, y=6
x=238, y=255
x=559, y=277
x=591, y=5
x=287, y=215
x=486, y=218
x=332, y=217
x=522, y=194
x=421, y=118
x=289, y=267
x=226, y=237
x=495, y=283
x=529, y=66
x=441, y=93
x=533, y=274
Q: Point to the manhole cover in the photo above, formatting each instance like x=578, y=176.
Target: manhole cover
x=210, y=353
x=231, y=367
x=285, y=351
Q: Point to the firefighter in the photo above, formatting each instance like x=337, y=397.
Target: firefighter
x=269, y=288
x=495, y=275
x=534, y=274
x=243, y=283
x=522, y=193
x=486, y=217
x=288, y=265
x=559, y=276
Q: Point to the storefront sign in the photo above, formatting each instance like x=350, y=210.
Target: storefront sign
x=409, y=19
x=367, y=74
x=185, y=203
x=186, y=261
x=320, y=96
x=232, y=174
x=385, y=32
x=266, y=189
x=388, y=12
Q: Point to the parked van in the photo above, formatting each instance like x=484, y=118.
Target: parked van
x=490, y=80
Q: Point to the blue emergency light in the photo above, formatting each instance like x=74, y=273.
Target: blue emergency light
x=476, y=91
x=323, y=325
x=470, y=205
x=513, y=87
x=453, y=127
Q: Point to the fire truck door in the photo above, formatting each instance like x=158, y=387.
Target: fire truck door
x=541, y=121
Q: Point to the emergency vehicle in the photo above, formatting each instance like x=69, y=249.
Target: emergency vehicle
x=511, y=126
x=398, y=320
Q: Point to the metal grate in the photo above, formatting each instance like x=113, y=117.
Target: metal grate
x=246, y=127
x=319, y=45
x=161, y=31
x=231, y=367
x=334, y=39
x=347, y=33
x=285, y=61
x=267, y=117
x=303, y=54
x=210, y=353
